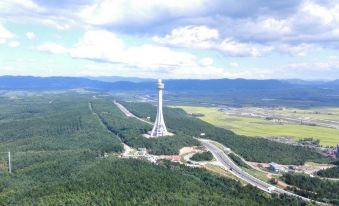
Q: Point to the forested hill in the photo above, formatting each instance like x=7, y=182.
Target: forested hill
x=50, y=83
x=33, y=83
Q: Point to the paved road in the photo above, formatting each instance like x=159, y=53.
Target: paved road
x=228, y=164
x=128, y=113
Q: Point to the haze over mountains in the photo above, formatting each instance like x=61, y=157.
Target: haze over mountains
x=119, y=79
x=139, y=84
x=233, y=92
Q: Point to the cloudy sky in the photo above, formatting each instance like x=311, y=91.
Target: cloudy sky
x=258, y=39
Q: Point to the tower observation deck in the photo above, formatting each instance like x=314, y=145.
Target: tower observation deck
x=159, y=128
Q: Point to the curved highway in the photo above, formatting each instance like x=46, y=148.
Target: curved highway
x=228, y=164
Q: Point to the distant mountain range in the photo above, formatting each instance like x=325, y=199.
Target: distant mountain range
x=138, y=84
x=49, y=83
x=234, y=92
x=119, y=79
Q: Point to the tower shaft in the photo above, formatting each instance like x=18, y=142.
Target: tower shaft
x=159, y=128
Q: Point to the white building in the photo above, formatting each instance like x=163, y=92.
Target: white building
x=276, y=167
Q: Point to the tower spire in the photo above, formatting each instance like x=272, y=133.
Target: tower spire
x=159, y=128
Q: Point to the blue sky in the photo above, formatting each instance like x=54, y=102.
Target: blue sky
x=257, y=39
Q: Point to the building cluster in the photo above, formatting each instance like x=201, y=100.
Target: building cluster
x=141, y=153
x=331, y=152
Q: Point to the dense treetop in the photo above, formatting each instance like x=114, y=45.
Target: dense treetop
x=203, y=156
x=313, y=187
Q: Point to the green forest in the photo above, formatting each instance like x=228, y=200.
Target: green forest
x=237, y=160
x=57, y=143
x=252, y=149
x=203, y=156
x=330, y=172
x=41, y=126
x=313, y=187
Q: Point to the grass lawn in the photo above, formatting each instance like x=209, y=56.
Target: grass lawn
x=260, y=175
x=220, y=171
x=257, y=127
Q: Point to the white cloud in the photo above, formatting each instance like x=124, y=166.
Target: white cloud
x=51, y=47
x=195, y=71
x=30, y=35
x=333, y=57
x=233, y=48
x=8, y=6
x=272, y=26
x=202, y=37
x=98, y=44
x=30, y=11
x=316, y=23
x=314, y=70
x=234, y=64
x=149, y=56
x=265, y=28
x=316, y=66
x=122, y=12
x=321, y=14
x=190, y=36
x=312, y=22
x=207, y=61
x=107, y=47
x=4, y=34
x=297, y=49
x=14, y=44
x=58, y=23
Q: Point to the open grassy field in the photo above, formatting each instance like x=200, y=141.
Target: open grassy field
x=257, y=127
x=322, y=114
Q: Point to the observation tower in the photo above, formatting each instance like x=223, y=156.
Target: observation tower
x=159, y=128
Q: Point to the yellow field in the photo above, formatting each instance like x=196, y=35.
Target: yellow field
x=257, y=127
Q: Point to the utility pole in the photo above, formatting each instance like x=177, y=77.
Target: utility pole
x=9, y=163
